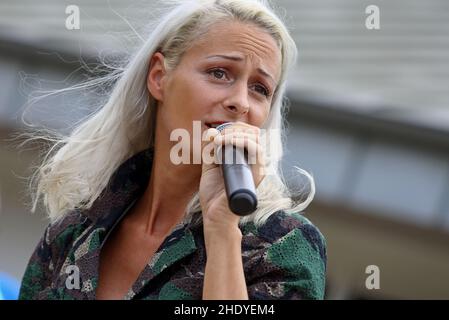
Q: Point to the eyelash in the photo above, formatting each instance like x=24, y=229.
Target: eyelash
x=267, y=91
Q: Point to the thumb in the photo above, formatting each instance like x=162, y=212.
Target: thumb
x=209, y=143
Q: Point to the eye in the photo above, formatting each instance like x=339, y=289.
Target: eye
x=217, y=73
x=263, y=90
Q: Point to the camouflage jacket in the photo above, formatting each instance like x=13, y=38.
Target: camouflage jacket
x=283, y=259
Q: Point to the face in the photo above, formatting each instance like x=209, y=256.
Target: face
x=229, y=74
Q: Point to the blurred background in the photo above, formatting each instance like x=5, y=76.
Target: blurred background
x=368, y=118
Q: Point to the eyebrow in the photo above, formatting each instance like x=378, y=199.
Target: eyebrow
x=236, y=58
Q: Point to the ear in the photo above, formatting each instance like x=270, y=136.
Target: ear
x=156, y=76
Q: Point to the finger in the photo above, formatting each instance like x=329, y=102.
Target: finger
x=256, y=158
x=244, y=128
x=256, y=154
x=208, y=149
x=208, y=157
x=238, y=134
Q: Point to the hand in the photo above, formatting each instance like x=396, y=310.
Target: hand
x=212, y=193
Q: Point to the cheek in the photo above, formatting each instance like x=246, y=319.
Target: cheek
x=177, y=105
x=190, y=103
x=259, y=117
x=200, y=100
x=194, y=96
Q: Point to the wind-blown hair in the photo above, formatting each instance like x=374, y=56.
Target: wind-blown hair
x=78, y=166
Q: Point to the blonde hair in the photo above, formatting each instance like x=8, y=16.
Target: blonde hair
x=78, y=166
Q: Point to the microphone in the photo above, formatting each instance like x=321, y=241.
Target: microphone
x=238, y=178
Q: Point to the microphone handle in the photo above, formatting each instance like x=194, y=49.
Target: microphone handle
x=239, y=182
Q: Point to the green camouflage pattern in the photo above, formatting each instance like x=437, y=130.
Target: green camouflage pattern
x=285, y=258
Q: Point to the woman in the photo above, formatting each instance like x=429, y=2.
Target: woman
x=130, y=223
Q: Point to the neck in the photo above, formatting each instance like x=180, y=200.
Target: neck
x=168, y=192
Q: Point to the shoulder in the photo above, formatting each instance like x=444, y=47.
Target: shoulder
x=289, y=230
x=284, y=258
x=49, y=254
x=59, y=236
x=66, y=229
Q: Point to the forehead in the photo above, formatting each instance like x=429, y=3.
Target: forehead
x=250, y=42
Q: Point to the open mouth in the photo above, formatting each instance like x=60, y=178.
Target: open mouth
x=214, y=124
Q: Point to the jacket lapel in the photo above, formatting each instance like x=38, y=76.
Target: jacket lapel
x=127, y=184
x=179, y=244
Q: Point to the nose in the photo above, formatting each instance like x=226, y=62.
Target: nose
x=237, y=101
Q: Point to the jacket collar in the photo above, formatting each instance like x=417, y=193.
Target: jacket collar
x=126, y=185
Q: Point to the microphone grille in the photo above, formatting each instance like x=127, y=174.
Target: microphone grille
x=223, y=125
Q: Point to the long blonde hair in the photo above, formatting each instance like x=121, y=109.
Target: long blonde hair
x=78, y=166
